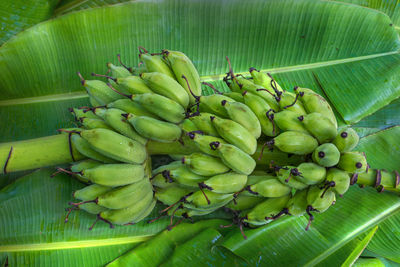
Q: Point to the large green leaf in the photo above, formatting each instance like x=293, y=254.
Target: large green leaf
x=299, y=41
x=351, y=216
x=18, y=15
x=32, y=228
x=66, y=6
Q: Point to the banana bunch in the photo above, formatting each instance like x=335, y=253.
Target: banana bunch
x=259, y=151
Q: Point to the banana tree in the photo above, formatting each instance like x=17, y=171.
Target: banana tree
x=346, y=52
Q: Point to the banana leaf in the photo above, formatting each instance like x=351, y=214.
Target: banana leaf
x=18, y=15
x=66, y=6
x=357, y=73
x=33, y=231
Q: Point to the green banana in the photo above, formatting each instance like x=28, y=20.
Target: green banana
x=289, y=101
x=235, y=158
x=297, y=205
x=77, y=167
x=86, y=149
x=326, y=155
x=265, y=80
x=130, y=106
x=287, y=120
x=99, y=91
x=242, y=202
x=270, y=188
x=242, y=114
x=181, y=65
x=114, y=118
x=155, y=63
x=338, y=180
x=114, y=174
x=320, y=199
x=154, y=129
x=90, y=192
x=171, y=195
x=92, y=208
x=235, y=134
x=203, y=142
x=326, y=130
x=288, y=175
x=309, y=173
x=115, y=145
x=346, y=140
x=262, y=110
x=130, y=214
x=207, y=200
x=133, y=85
x=184, y=177
x=212, y=104
x=82, y=113
x=166, y=86
x=188, y=126
x=230, y=182
x=205, y=165
x=265, y=211
x=294, y=143
x=125, y=196
x=89, y=123
x=353, y=162
x=235, y=96
x=204, y=124
x=275, y=157
x=314, y=102
x=256, y=177
x=118, y=71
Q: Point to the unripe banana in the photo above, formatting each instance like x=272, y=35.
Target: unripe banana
x=243, y=202
x=204, y=165
x=230, y=182
x=119, y=123
x=155, y=63
x=130, y=214
x=158, y=180
x=77, y=167
x=90, y=192
x=212, y=104
x=83, y=113
x=319, y=126
x=130, y=106
x=99, y=91
x=207, y=200
x=203, y=143
x=309, y=173
x=235, y=158
x=86, y=149
x=256, y=177
x=161, y=106
x=297, y=205
x=295, y=143
x=263, y=112
x=92, y=208
x=181, y=65
x=114, y=174
x=115, y=145
x=288, y=176
x=89, y=123
x=338, y=180
x=270, y=188
x=235, y=96
x=265, y=94
x=265, y=81
x=289, y=101
x=243, y=115
x=187, y=212
x=163, y=84
x=170, y=166
x=133, y=85
x=288, y=120
x=320, y=199
x=265, y=157
x=326, y=155
x=171, y=195
x=118, y=71
x=184, y=177
x=346, y=140
x=263, y=212
x=154, y=129
x=314, y=102
x=235, y=134
x=146, y=212
x=204, y=124
x=188, y=126
x=353, y=162
x=125, y=196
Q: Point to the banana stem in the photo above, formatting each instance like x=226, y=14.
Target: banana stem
x=36, y=153
x=57, y=149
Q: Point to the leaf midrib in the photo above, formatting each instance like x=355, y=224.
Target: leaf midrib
x=207, y=78
x=75, y=244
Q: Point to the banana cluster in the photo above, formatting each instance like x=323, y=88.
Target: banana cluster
x=259, y=151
